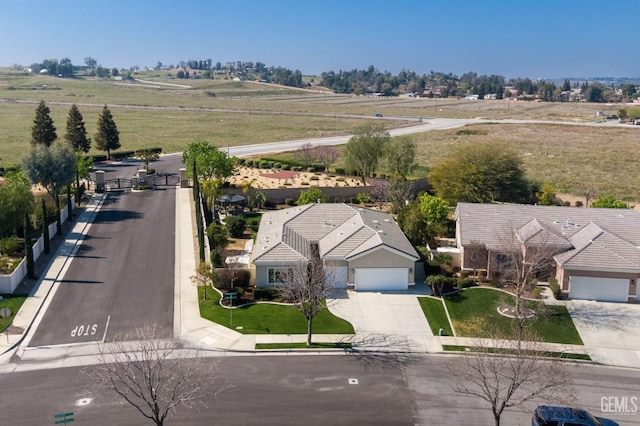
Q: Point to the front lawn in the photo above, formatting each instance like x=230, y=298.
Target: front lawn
x=13, y=303
x=474, y=311
x=337, y=345
x=436, y=315
x=270, y=319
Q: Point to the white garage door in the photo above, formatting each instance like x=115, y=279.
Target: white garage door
x=376, y=279
x=602, y=289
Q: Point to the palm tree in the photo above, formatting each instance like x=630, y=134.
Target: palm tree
x=211, y=189
x=246, y=188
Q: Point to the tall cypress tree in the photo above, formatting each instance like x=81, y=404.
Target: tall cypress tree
x=76, y=132
x=43, y=131
x=107, y=138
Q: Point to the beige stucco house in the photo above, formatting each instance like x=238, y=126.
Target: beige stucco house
x=596, y=251
x=364, y=249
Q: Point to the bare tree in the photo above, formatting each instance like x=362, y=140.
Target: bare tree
x=525, y=254
x=306, y=154
x=147, y=370
x=398, y=193
x=378, y=192
x=327, y=155
x=307, y=285
x=205, y=276
x=507, y=373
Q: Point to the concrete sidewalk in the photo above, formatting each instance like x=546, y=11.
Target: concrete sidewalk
x=34, y=307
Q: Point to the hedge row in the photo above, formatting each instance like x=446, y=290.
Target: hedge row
x=296, y=166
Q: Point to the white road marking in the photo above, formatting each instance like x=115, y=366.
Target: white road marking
x=104, y=336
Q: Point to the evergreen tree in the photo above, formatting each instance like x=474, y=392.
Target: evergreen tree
x=43, y=131
x=107, y=138
x=76, y=132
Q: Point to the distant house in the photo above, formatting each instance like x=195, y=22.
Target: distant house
x=363, y=248
x=472, y=97
x=596, y=251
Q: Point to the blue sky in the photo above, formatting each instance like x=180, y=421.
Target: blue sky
x=513, y=38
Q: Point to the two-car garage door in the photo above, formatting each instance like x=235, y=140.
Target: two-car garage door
x=601, y=289
x=381, y=279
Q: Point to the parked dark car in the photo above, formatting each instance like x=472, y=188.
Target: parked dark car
x=378, y=115
x=546, y=415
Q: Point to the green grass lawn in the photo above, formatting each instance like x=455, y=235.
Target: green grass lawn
x=474, y=311
x=436, y=315
x=13, y=303
x=337, y=345
x=270, y=319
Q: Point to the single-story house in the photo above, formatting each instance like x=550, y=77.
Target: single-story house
x=364, y=248
x=596, y=251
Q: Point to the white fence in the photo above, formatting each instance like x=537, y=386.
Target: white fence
x=8, y=283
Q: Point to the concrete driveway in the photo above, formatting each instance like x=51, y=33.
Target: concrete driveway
x=610, y=331
x=386, y=321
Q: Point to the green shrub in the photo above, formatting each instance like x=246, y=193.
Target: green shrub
x=340, y=170
x=9, y=246
x=236, y=225
x=51, y=214
x=340, y=179
x=97, y=157
x=304, y=183
x=363, y=198
x=264, y=164
x=314, y=178
x=290, y=201
x=286, y=167
x=241, y=161
x=495, y=283
x=466, y=282
x=354, y=200
x=249, y=163
x=296, y=168
x=277, y=165
x=579, y=203
x=536, y=292
x=265, y=293
x=121, y=155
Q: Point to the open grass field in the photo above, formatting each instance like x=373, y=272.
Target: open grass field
x=158, y=112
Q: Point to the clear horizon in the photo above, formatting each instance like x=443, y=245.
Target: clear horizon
x=537, y=39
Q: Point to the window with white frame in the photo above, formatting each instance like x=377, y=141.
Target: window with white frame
x=279, y=275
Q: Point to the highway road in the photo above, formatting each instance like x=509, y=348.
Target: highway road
x=305, y=390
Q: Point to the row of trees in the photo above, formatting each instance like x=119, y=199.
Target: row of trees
x=107, y=137
x=371, y=80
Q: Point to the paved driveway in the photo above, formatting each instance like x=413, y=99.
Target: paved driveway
x=386, y=321
x=610, y=331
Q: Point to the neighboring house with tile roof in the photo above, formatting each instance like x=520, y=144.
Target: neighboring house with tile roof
x=596, y=251
x=364, y=249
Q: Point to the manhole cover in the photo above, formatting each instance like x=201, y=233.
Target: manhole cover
x=353, y=381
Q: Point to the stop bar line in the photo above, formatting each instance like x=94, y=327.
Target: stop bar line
x=106, y=328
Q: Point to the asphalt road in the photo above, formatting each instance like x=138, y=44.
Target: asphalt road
x=303, y=390
x=123, y=273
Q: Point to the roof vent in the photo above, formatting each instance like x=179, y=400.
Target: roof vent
x=381, y=231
